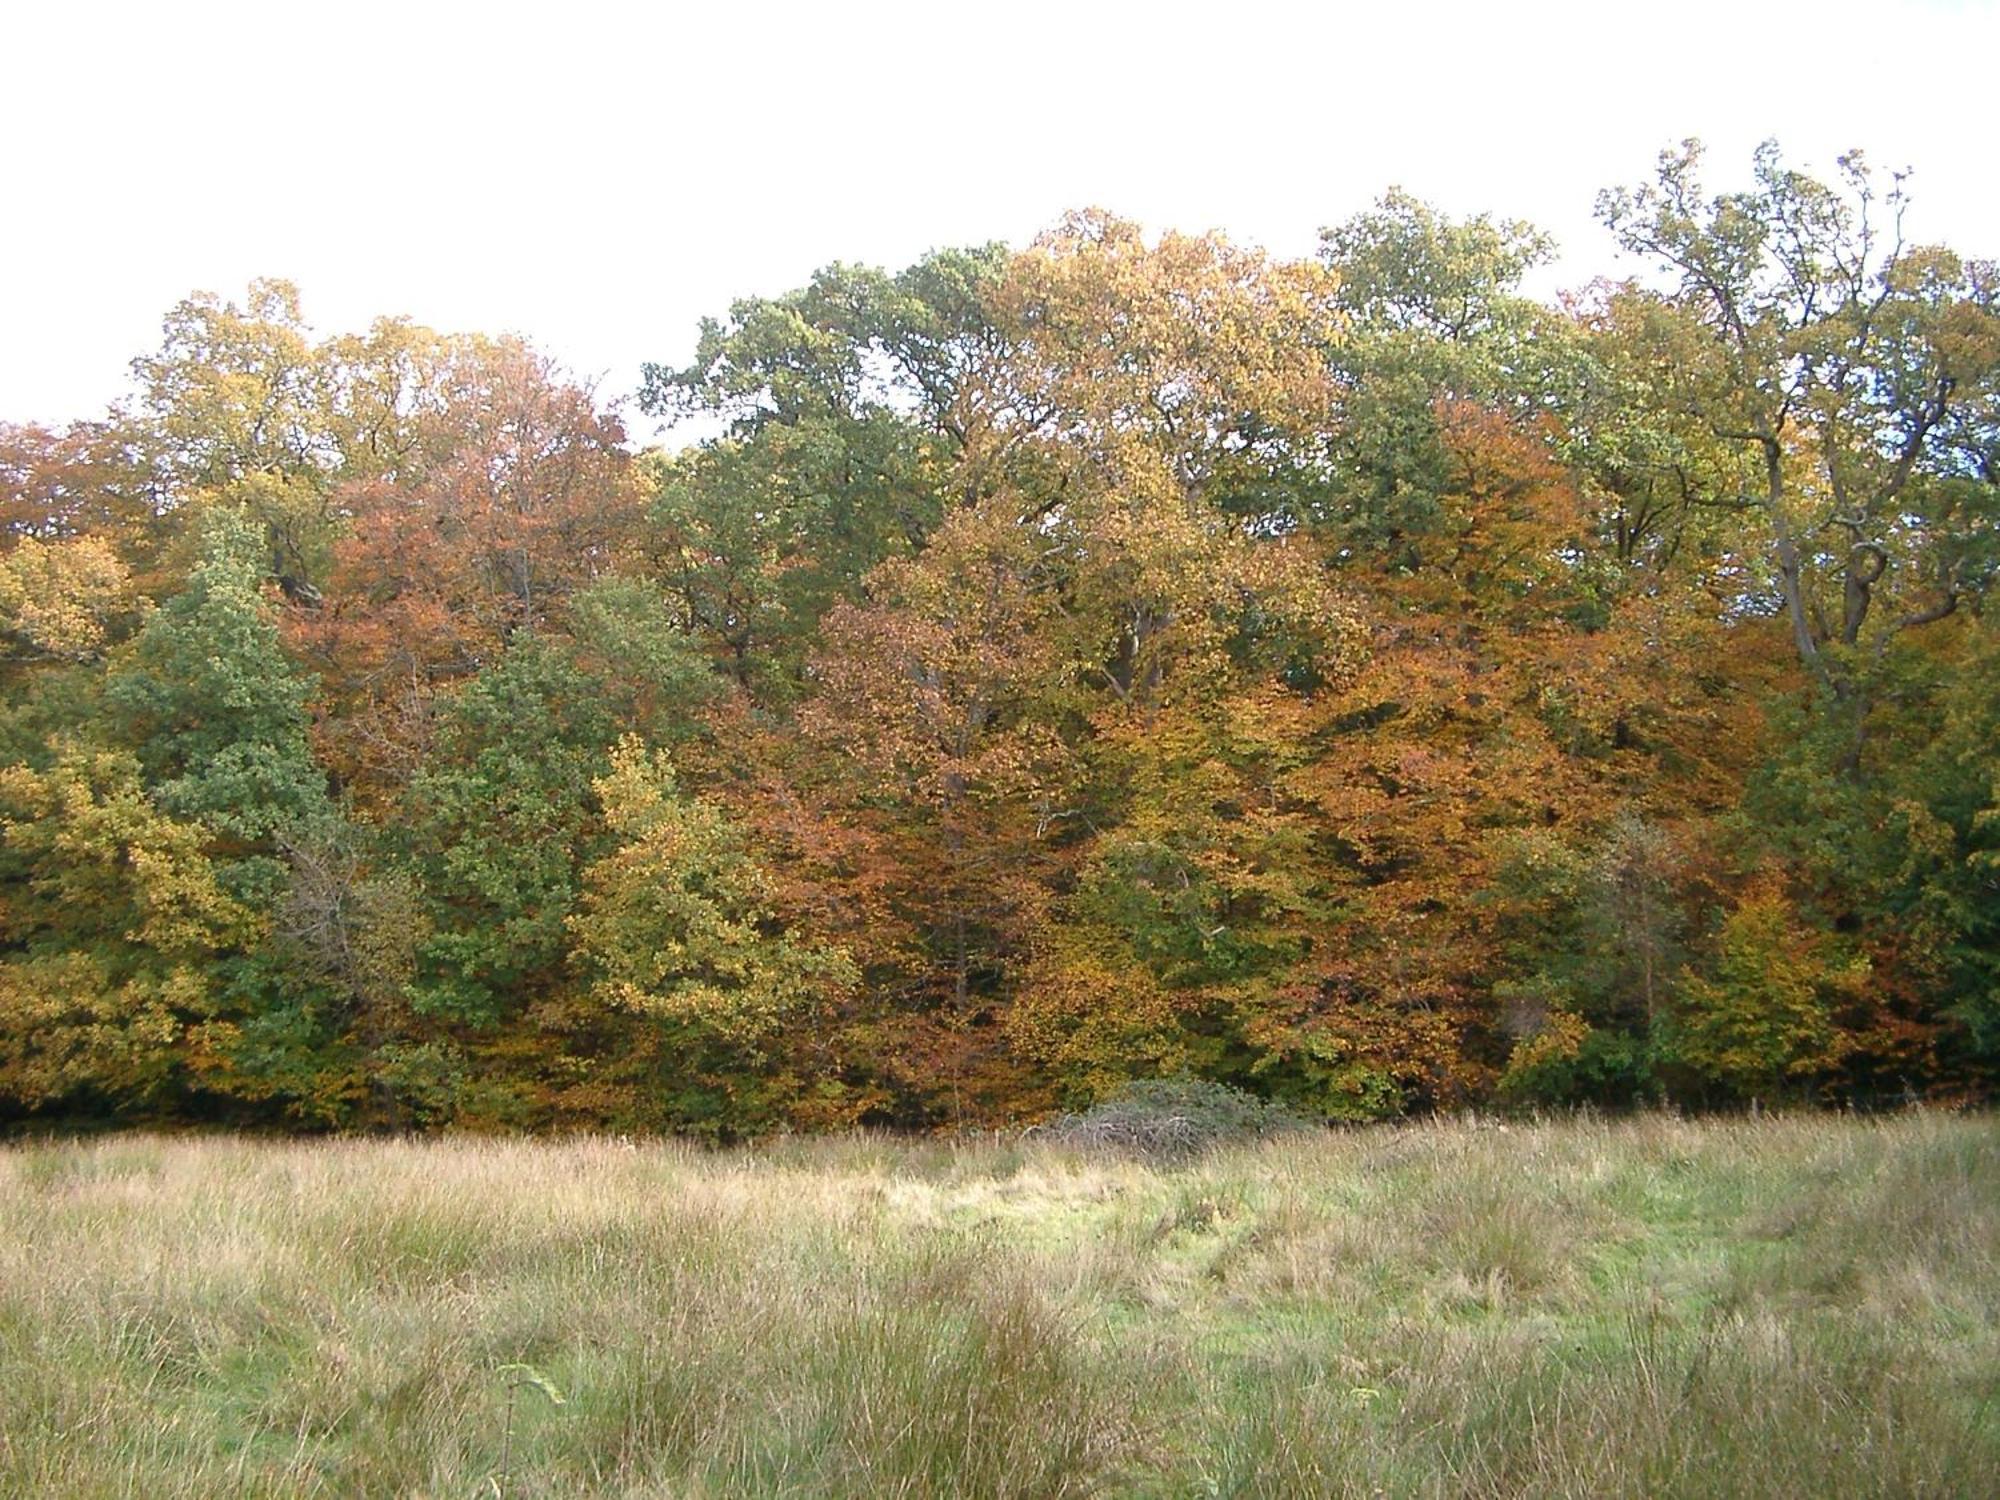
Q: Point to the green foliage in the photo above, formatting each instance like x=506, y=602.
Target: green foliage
x=1360, y=1067
x=675, y=922
x=502, y=819
x=1896, y=846
x=1567, y=1061
x=1593, y=941
x=214, y=708
x=236, y=406
x=1434, y=314
x=1857, y=377
x=650, y=676
x=154, y=874
x=846, y=402
x=499, y=823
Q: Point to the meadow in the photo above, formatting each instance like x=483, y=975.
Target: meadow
x=1801, y=1305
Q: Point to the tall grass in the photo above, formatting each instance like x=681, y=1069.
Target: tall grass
x=1793, y=1306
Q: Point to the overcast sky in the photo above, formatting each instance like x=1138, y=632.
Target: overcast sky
x=598, y=177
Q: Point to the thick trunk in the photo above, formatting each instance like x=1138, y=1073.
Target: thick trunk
x=1790, y=563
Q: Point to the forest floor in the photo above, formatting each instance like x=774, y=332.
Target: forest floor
x=1792, y=1306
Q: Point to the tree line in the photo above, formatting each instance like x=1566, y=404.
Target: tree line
x=1346, y=677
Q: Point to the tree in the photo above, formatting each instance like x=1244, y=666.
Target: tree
x=331, y=1032
x=63, y=601
x=85, y=479
x=1431, y=321
x=1857, y=375
x=501, y=817
x=487, y=490
x=1761, y=1023
x=675, y=926
x=1347, y=677
x=523, y=495
x=1199, y=892
x=114, y=927
x=234, y=408
x=1189, y=369
x=214, y=708
x=938, y=695
x=1848, y=382
x=853, y=345
x=1591, y=930
x=848, y=405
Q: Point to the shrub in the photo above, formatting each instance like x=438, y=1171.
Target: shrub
x=1171, y=1119
x=1570, y=1062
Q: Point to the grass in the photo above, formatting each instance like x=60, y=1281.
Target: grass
x=1792, y=1306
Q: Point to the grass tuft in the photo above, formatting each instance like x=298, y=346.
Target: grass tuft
x=1791, y=1306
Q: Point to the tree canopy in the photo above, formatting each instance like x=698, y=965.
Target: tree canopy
x=1348, y=677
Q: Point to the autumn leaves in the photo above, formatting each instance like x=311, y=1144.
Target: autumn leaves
x=1346, y=677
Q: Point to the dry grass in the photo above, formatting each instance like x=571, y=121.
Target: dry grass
x=1800, y=1306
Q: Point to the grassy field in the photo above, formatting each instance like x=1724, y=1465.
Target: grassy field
x=1804, y=1306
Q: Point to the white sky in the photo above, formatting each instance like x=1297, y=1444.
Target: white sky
x=598, y=177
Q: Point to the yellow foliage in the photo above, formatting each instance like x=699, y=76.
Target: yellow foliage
x=61, y=600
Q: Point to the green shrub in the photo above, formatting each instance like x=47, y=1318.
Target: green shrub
x=1570, y=1062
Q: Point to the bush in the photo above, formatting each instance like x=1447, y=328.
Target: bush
x=1171, y=1119
x=1570, y=1062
